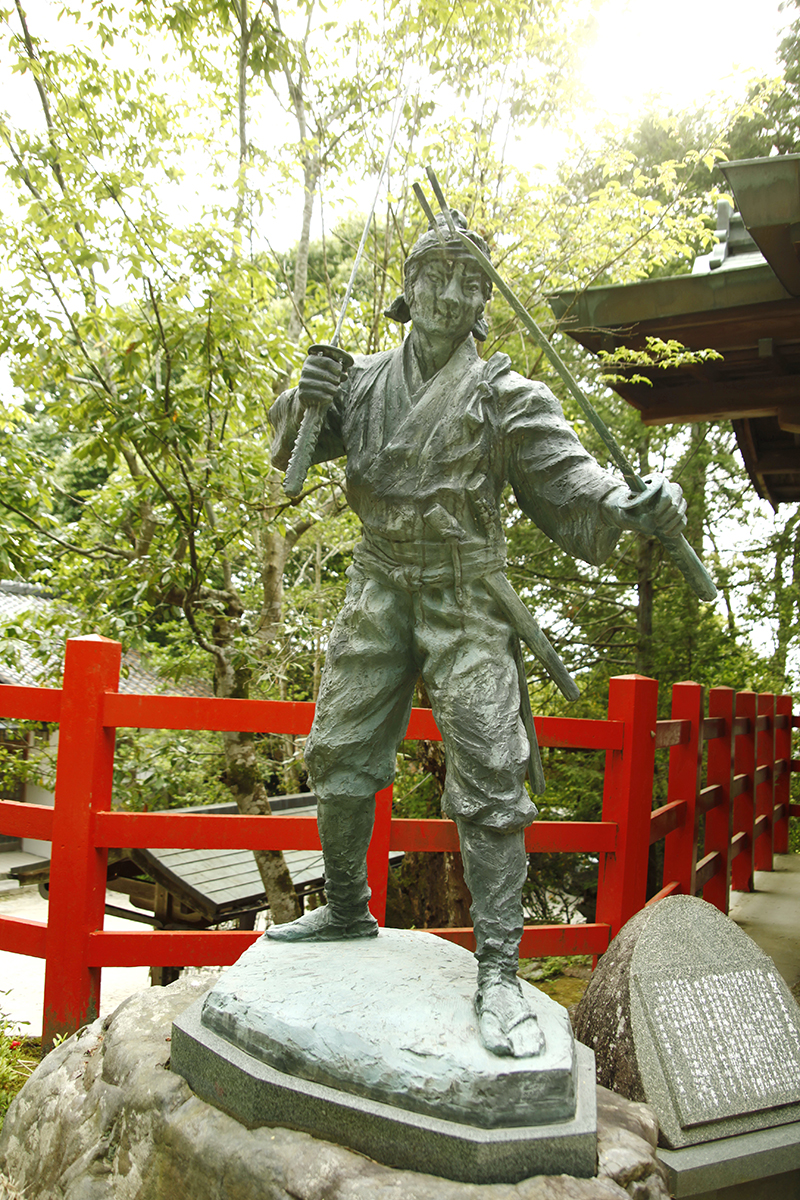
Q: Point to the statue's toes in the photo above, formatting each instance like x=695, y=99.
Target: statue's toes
x=493, y=1035
x=508, y=1024
x=525, y=1037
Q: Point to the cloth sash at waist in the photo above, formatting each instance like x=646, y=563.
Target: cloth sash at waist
x=418, y=564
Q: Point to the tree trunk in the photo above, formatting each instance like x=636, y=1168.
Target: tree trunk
x=693, y=481
x=785, y=592
x=243, y=773
x=645, y=560
x=243, y=777
x=310, y=180
x=644, y=608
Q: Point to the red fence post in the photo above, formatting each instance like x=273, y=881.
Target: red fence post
x=719, y=820
x=378, y=855
x=685, y=763
x=783, y=754
x=765, y=787
x=84, y=775
x=628, y=799
x=744, y=765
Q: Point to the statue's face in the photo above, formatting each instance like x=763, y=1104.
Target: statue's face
x=446, y=298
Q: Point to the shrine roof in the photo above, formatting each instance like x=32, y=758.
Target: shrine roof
x=743, y=300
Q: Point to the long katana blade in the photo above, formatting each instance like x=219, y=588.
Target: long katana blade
x=311, y=425
x=675, y=545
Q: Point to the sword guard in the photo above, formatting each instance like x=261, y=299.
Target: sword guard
x=334, y=352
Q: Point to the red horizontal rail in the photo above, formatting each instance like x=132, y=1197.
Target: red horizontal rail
x=551, y=941
x=741, y=784
x=665, y=819
x=30, y=703
x=26, y=820
x=669, y=889
x=575, y=837
x=171, y=948
x=194, y=712
x=211, y=831
x=707, y=868
x=544, y=941
x=672, y=733
x=740, y=842
x=577, y=733
x=434, y=835
x=278, y=716
x=20, y=936
x=541, y=837
x=710, y=797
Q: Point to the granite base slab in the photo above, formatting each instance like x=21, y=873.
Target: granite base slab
x=765, y=1163
x=392, y=1019
x=256, y=1094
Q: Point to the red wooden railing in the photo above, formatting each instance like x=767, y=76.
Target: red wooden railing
x=745, y=801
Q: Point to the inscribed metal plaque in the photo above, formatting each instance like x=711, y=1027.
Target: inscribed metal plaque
x=727, y=1043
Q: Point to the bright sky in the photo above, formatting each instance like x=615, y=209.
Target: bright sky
x=682, y=50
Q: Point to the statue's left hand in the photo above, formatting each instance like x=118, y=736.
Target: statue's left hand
x=661, y=509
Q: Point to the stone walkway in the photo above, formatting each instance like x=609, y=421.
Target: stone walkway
x=771, y=915
x=22, y=977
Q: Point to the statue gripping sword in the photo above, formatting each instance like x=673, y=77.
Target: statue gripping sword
x=432, y=434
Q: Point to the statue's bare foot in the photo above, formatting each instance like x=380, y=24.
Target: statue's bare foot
x=508, y=1025
x=321, y=925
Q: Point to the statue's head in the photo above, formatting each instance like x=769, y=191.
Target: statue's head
x=429, y=249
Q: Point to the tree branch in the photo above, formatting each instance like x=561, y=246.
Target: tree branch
x=98, y=551
x=164, y=344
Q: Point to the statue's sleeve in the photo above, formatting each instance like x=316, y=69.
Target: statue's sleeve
x=557, y=483
x=285, y=417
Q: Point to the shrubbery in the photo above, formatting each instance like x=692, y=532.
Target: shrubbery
x=18, y=1058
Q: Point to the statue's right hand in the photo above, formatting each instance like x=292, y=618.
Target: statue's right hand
x=319, y=381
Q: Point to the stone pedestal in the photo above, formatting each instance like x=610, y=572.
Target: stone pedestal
x=374, y=1044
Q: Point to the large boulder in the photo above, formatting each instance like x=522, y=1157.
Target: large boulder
x=104, y=1118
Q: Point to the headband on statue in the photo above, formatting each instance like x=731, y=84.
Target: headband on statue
x=430, y=244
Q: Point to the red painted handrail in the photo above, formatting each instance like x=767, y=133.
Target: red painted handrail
x=745, y=801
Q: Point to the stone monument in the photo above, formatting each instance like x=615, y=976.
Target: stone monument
x=688, y=1014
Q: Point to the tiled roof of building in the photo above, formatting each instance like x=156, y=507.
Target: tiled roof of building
x=21, y=603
